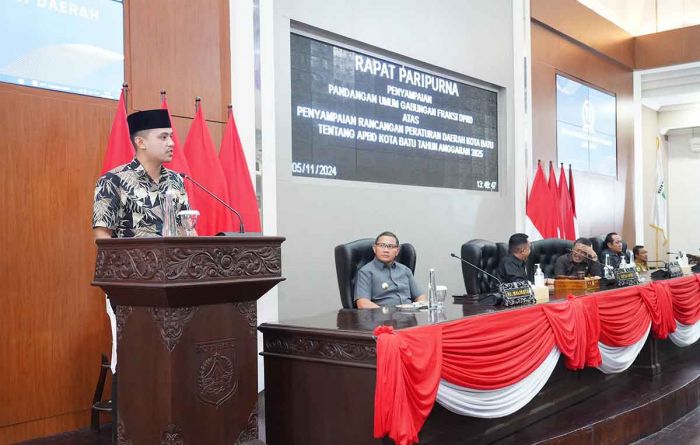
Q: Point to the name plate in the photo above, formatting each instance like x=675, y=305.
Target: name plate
x=674, y=270
x=626, y=276
x=516, y=293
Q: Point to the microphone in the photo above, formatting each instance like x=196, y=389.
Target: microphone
x=241, y=229
x=477, y=268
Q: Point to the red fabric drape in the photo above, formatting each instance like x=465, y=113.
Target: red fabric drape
x=497, y=350
x=626, y=313
x=408, y=374
x=686, y=306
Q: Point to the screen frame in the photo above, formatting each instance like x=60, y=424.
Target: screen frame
x=556, y=121
x=329, y=38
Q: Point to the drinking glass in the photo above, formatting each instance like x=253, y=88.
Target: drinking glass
x=440, y=295
x=188, y=219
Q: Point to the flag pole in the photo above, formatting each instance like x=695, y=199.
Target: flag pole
x=125, y=88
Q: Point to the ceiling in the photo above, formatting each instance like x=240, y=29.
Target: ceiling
x=671, y=88
x=639, y=17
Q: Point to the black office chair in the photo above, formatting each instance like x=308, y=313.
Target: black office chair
x=350, y=257
x=486, y=255
x=545, y=253
x=599, y=244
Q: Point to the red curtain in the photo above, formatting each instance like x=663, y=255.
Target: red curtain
x=410, y=374
x=626, y=313
x=686, y=307
x=497, y=350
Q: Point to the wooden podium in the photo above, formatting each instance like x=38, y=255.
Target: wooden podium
x=186, y=334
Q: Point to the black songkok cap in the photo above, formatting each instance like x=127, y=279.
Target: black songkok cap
x=147, y=120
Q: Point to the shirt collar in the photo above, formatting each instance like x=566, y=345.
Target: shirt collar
x=381, y=265
x=139, y=169
x=517, y=259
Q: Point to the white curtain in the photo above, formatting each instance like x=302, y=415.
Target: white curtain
x=497, y=402
x=685, y=335
x=617, y=359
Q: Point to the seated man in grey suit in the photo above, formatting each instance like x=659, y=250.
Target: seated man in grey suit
x=383, y=281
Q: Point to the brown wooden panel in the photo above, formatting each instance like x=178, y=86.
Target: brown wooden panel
x=604, y=204
x=216, y=129
x=572, y=19
x=181, y=46
x=53, y=326
x=668, y=48
x=44, y=427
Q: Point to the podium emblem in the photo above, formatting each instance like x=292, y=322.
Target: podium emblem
x=217, y=379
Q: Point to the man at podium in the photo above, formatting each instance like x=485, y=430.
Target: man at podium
x=128, y=199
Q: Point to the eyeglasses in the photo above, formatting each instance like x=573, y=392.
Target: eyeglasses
x=386, y=246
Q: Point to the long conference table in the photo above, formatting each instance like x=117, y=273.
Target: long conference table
x=320, y=375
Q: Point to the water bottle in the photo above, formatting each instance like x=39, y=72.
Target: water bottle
x=608, y=270
x=169, y=221
x=539, y=276
x=432, y=290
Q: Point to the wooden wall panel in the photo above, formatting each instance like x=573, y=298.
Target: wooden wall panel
x=181, y=46
x=604, y=204
x=666, y=48
x=53, y=326
x=571, y=18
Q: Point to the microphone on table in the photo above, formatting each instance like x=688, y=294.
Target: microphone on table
x=477, y=268
x=241, y=229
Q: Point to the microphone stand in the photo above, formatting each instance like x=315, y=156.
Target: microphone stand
x=241, y=229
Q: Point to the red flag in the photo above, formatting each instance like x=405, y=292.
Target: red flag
x=567, y=214
x=240, y=187
x=571, y=191
x=206, y=169
x=540, y=209
x=179, y=161
x=119, y=148
x=552, y=184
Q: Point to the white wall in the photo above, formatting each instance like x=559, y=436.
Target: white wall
x=650, y=131
x=683, y=186
x=473, y=38
x=682, y=117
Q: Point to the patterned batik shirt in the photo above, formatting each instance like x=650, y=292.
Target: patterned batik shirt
x=128, y=201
